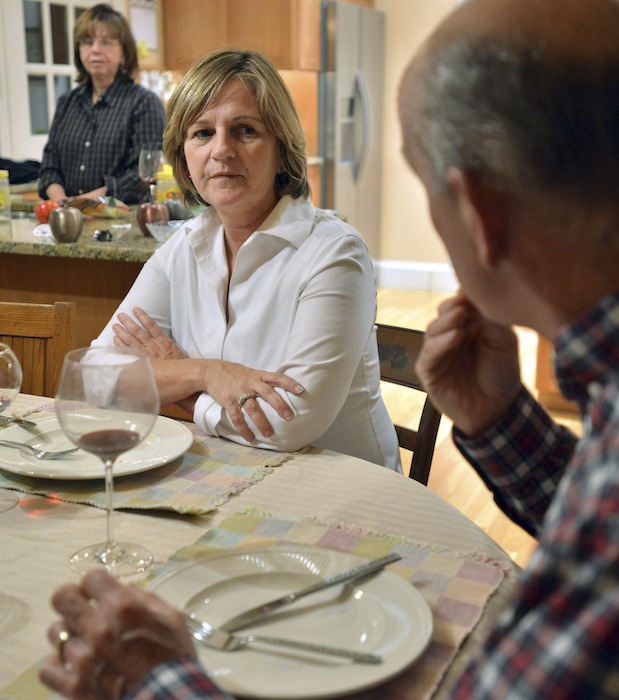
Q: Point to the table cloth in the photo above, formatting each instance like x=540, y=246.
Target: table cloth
x=341, y=492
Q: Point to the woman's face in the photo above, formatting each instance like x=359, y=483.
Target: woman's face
x=101, y=54
x=231, y=156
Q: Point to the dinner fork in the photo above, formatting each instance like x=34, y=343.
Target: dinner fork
x=37, y=451
x=218, y=639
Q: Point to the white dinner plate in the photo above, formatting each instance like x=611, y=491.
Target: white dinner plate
x=383, y=615
x=168, y=440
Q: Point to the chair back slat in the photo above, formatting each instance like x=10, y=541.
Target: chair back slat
x=398, y=349
x=40, y=335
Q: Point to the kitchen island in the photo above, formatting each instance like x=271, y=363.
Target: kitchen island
x=96, y=275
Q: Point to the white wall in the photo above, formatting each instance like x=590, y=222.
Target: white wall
x=411, y=254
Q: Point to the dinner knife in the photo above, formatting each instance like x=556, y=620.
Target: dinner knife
x=260, y=611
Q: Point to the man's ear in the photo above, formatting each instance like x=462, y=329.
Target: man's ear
x=482, y=209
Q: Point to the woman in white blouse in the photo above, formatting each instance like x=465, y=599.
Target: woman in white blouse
x=259, y=313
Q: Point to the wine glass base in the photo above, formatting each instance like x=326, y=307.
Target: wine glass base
x=14, y=614
x=8, y=500
x=118, y=559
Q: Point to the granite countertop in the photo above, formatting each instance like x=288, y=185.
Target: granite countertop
x=127, y=245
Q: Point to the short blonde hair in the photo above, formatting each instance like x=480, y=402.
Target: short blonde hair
x=201, y=86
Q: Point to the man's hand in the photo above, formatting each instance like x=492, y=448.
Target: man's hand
x=469, y=366
x=116, y=635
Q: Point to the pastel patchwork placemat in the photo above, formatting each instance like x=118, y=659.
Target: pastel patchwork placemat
x=456, y=587
x=198, y=482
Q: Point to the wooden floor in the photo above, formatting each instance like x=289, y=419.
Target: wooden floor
x=451, y=476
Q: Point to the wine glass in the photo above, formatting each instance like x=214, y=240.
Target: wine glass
x=150, y=161
x=107, y=403
x=10, y=385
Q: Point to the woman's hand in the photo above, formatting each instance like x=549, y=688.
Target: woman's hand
x=93, y=194
x=57, y=193
x=147, y=336
x=469, y=366
x=116, y=635
x=227, y=382
x=224, y=381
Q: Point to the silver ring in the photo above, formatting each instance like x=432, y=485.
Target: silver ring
x=243, y=398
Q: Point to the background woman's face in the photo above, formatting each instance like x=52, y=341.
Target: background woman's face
x=231, y=156
x=101, y=54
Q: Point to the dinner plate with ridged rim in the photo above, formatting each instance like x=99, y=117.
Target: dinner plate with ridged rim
x=167, y=440
x=382, y=615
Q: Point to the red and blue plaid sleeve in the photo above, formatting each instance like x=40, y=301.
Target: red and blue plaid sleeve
x=180, y=679
x=521, y=460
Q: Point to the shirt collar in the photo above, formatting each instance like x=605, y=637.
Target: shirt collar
x=291, y=220
x=587, y=351
x=111, y=95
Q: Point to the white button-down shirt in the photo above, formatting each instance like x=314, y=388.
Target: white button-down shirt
x=301, y=300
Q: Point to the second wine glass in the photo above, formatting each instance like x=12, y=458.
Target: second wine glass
x=107, y=403
x=150, y=161
x=10, y=385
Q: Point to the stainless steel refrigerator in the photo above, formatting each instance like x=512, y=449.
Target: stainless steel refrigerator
x=350, y=115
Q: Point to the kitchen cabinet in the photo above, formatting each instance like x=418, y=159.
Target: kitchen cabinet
x=287, y=31
x=192, y=28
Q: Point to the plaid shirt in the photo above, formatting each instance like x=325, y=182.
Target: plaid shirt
x=560, y=638
x=181, y=679
x=94, y=145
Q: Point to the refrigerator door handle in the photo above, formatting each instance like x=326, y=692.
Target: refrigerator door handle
x=361, y=89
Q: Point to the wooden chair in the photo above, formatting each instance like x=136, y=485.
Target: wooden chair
x=40, y=335
x=398, y=349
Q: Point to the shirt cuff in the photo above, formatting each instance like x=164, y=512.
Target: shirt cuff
x=207, y=414
x=178, y=678
x=525, y=434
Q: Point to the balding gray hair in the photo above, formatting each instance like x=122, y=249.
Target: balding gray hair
x=517, y=116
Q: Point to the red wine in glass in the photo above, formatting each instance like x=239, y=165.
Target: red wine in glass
x=109, y=443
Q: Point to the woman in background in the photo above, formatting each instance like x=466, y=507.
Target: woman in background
x=100, y=126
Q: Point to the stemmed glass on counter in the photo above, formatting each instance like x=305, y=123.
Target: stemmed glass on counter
x=107, y=403
x=150, y=161
x=10, y=385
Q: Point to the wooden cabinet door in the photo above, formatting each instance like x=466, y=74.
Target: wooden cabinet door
x=193, y=28
x=287, y=31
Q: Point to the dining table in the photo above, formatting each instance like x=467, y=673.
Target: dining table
x=219, y=497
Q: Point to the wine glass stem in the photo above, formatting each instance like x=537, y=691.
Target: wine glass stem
x=153, y=193
x=109, y=500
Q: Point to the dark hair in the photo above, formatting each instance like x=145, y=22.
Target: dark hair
x=519, y=116
x=201, y=86
x=119, y=28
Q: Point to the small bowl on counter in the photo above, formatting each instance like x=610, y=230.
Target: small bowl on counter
x=162, y=230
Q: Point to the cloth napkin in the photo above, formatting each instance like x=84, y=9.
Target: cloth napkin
x=456, y=587
x=197, y=482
